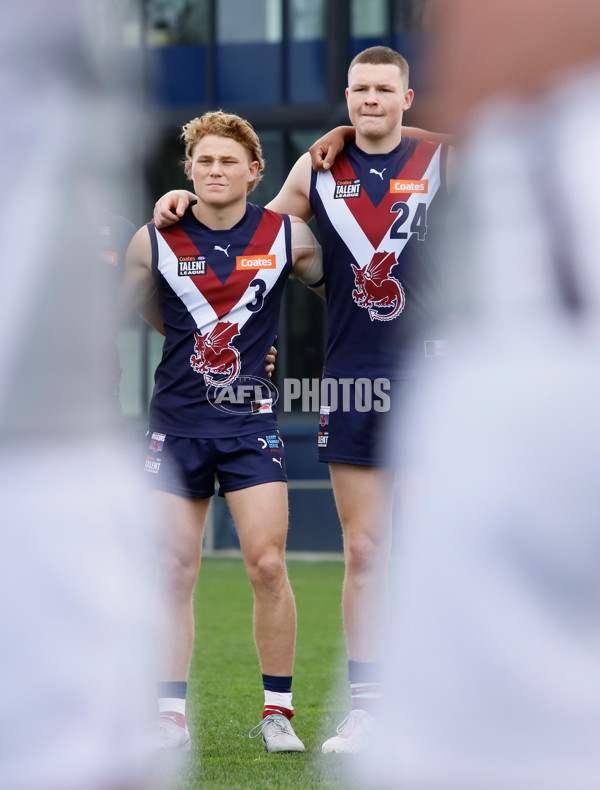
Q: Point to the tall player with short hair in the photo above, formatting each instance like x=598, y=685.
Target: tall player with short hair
x=382, y=311
x=374, y=209
x=219, y=277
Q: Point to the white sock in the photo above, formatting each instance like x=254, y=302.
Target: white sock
x=171, y=705
x=278, y=699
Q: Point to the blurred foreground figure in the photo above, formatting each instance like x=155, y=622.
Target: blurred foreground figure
x=494, y=645
x=75, y=671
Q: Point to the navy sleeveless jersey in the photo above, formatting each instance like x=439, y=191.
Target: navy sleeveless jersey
x=219, y=293
x=382, y=278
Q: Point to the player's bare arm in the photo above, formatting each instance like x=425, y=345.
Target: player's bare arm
x=294, y=196
x=324, y=151
x=151, y=314
x=138, y=292
x=432, y=137
x=307, y=257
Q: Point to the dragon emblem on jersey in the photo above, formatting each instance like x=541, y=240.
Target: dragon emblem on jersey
x=214, y=354
x=376, y=290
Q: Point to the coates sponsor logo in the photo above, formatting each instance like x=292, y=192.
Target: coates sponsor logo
x=349, y=188
x=422, y=187
x=191, y=264
x=243, y=262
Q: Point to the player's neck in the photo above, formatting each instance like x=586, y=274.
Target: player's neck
x=382, y=145
x=219, y=217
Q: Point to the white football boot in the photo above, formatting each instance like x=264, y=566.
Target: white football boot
x=170, y=735
x=350, y=734
x=277, y=734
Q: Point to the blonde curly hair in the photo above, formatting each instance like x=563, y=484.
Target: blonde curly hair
x=223, y=124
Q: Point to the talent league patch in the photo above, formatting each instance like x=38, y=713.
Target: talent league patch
x=323, y=438
x=348, y=188
x=152, y=465
x=191, y=264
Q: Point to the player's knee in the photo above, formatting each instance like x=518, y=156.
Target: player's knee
x=363, y=555
x=268, y=572
x=178, y=574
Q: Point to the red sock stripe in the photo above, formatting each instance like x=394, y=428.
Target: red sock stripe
x=269, y=709
x=178, y=718
x=365, y=696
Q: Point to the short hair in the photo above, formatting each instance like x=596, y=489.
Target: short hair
x=223, y=124
x=378, y=56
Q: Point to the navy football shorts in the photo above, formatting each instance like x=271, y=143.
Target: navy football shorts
x=354, y=421
x=188, y=467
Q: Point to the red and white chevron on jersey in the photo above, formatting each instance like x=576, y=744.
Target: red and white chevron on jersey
x=367, y=229
x=220, y=310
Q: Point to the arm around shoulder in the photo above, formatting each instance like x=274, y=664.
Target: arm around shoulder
x=169, y=208
x=432, y=137
x=324, y=151
x=294, y=196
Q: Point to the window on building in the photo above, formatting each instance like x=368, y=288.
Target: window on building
x=307, y=52
x=368, y=19
x=177, y=34
x=253, y=21
x=249, y=62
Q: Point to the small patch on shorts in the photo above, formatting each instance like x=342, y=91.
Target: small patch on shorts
x=264, y=406
x=323, y=438
x=152, y=465
x=156, y=441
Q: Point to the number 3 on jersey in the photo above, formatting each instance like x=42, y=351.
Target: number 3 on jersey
x=418, y=226
x=255, y=305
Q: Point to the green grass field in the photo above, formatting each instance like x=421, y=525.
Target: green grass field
x=225, y=691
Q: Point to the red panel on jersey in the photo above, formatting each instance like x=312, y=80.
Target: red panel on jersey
x=375, y=220
x=222, y=298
